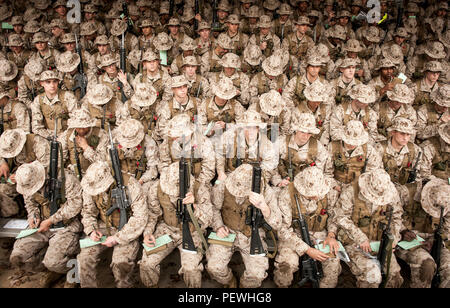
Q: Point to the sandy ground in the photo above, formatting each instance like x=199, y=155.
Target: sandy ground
x=169, y=272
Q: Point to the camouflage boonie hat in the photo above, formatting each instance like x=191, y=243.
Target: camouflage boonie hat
x=352, y=45
x=15, y=40
x=436, y=194
x=130, y=133
x=30, y=178
x=411, y=25
x=372, y=34
x=376, y=187
x=253, y=12
x=385, y=63
x=39, y=37
x=12, y=142
x=444, y=132
x=433, y=66
x=357, y=3
x=435, y=50
x=32, y=26
x=32, y=14
x=355, y=134
x=164, y=8
x=179, y=81
x=364, y=93
x=304, y=122
x=224, y=41
x=233, y=19
x=224, y=89
x=344, y=13
x=59, y=3
x=440, y=96
x=311, y=182
x=163, y=41
x=98, y=178
x=58, y=22
x=80, y=118
x=170, y=179
x=191, y=61
x=67, y=38
x=265, y=22
x=146, y=23
x=17, y=20
x=42, y=4
x=174, y=22
x=285, y=9
x=239, y=182
x=203, y=25
x=88, y=28
x=135, y=57
x=33, y=69
x=314, y=60
x=149, y=55
x=271, y=5
x=251, y=118
x=402, y=125
x=99, y=94
x=101, y=40
x=402, y=94
x=314, y=13
x=224, y=6
x=49, y=75
x=412, y=7
x=90, y=8
x=444, y=38
x=284, y=56
x=108, y=59
x=317, y=92
x=143, y=3
x=273, y=66
x=179, y=126
x=271, y=103
x=393, y=53
x=252, y=54
x=320, y=50
x=230, y=60
x=118, y=27
x=337, y=31
x=348, y=62
x=8, y=70
x=67, y=61
x=144, y=95
x=302, y=20
x=112, y=14
x=401, y=32
x=188, y=44
x=436, y=24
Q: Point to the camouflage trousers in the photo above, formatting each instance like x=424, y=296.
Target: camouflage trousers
x=367, y=270
x=51, y=250
x=191, y=266
x=122, y=264
x=8, y=207
x=423, y=267
x=287, y=263
x=218, y=257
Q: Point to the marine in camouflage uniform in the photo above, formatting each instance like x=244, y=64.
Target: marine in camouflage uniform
x=360, y=213
x=112, y=76
x=436, y=153
x=428, y=84
x=199, y=86
x=238, y=39
x=210, y=59
x=50, y=250
x=97, y=185
x=343, y=84
x=311, y=188
x=230, y=203
x=46, y=54
x=265, y=38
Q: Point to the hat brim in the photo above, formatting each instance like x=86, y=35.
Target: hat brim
x=18, y=149
x=320, y=191
x=444, y=135
x=129, y=144
x=40, y=180
x=426, y=198
x=99, y=187
x=12, y=76
x=386, y=198
x=356, y=141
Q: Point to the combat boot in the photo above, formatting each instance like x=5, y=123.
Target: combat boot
x=48, y=278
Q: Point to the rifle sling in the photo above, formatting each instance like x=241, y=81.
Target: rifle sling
x=197, y=228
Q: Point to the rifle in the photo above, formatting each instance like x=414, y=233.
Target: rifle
x=54, y=190
x=413, y=173
x=171, y=6
x=216, y=26
x=290, y=169
x=436, y=251
x=127, y=15
x=311, y=269
x=2, y=125
x=398, y=23
x=119, y=197
x=254, y=216
x=80, y=77
x=182, y=214
x=385, y=252
x=77, y=157
x=122, y=65
x=196, y=11
x=198, y=90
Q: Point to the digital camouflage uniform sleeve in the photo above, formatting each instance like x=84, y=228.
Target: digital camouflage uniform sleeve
x=74, y=202
x=22, y=116
x=154, y=209
x=151, y=154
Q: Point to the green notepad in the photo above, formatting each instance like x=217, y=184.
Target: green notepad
x=230, y=238
x=87, y=242
x=160, y=242
x=409, y=245
x=26, y=232
x=7, y=26
x=375, y=246
x=163, y=57
x=326, y=249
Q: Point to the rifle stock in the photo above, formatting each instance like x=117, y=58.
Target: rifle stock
x=385, y=252
x=436, y=250
x=182, y=212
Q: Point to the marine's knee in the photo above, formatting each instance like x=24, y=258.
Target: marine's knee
x=427, y=270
